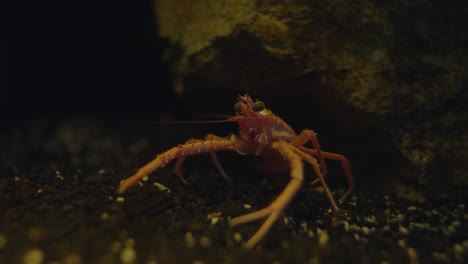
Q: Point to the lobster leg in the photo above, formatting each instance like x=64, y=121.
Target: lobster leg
x=214, y=158
x=180, y=151
x=312, y=161
x=273, y=211
x=344, y=163
x=310, y=135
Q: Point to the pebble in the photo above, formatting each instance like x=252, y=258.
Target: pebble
x=120, y=199
x=323, y=237
x=247, y=206
x=401, y=243
x=33, y=256
x=71, y=259
x=403, y=230
x=2, y=241
x=189, y=240
x=413, y=255
x=366, y=230
x=458, y=250
x=161, y=187
x=104, y=216
x=128, y=255
x=237, y=237
x=214, y=217
x=205, y=241
x=115, y=246
x=371, y=220
x=441, y=257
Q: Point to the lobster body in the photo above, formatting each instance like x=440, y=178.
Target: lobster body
x=261, y=133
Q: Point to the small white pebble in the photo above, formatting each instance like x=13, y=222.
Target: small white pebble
x=214, y=217
x=411, y=208
x=458, y=250
x=39, y=191
x=104, y=216
x=152, y=261
x=247, y=206
x=465, y=244
x=371, y=219
x=3, y=241
x=120, y=199
x=33, y=256
x=401, y=243
x=130, y=242
x=450, y=230
x=115, y=246
x=70, y=259
x=205, y=241
x=400, y=217
x=161, y=187
x=365, y=230
x=287, y=220
x=413, y=255
x=214, y=220
x=128, y=255
x=354, y=228
x=101, y=171
x=323, y=237
x=189, y=240
x=58, y=175
x=346, y=226
x=17, y=179
x=145, y=178
x=441, y=257
x=237, y=237
x=357, y=237
x=403, y=230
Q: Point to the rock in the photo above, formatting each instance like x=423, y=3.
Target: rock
x=389, y=76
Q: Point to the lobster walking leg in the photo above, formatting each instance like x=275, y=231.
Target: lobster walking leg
x=310, y=135
x=180, y=151
x=344, y=163
x=273, y=211
x=214, y=158
x=312, y=161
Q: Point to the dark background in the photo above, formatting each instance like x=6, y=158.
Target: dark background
x=103, y=59
x=87, y=57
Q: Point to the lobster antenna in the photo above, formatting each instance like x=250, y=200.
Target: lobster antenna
x=181, y=122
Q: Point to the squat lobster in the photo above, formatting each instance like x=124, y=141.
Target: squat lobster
x=261, y=133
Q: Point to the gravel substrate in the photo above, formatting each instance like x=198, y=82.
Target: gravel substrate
x=58, y=204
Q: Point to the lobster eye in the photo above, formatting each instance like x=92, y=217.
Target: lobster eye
x=238, y=108
x=258, y=106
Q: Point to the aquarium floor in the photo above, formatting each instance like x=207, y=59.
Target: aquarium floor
x=58, y=204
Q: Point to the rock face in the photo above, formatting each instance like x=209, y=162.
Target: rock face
x=396, y=67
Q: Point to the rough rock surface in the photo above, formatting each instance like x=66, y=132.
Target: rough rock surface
x=397, y=67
